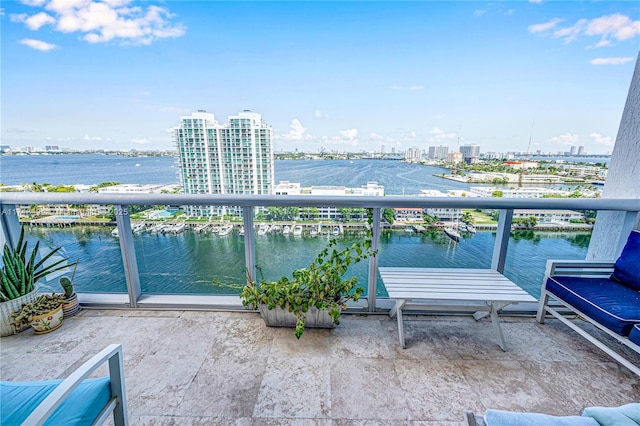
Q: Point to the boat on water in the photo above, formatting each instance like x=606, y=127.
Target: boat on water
x=286, y=230
x=176, y=229
x=262, y=230
x=452, y=233
x=313, y=232
x=138, y=228
x=471, y=228
x=114, y=232
x=336, y=230
x=297, y=230
x=225, y=230
x=241, y=232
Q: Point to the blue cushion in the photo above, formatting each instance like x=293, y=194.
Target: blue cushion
x=81, y=407
x=634, y=335
x=625, y=415
x=627, y=266
x=611, y=304
x=510, y=418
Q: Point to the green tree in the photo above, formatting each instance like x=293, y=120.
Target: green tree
x=497, y=194
x=467, y=218
x=388, y=215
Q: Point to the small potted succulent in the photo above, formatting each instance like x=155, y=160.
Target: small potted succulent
x=70, y=306
x=43, y=314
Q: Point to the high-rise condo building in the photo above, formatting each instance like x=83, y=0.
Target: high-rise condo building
x=438, y=152
x=580, y=150
x=413, y=154
x=231, y=158
x=469, y=152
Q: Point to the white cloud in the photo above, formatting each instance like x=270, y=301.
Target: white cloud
x=565, y=139
x=611, y=61
x=479, y=12
x=297, y=132
x=416, y=88
x=37, y=44
x=395, y=87
x=140, y=141
x=91, y=138
x=439, y=135
x=601, y=140
x=609, y=28
x=104, y=21
x=320, y=114
x=347, y=137
x=510, y=12
x=376, y=137
x=535, y=1
x=38, y=20
x=537, y=28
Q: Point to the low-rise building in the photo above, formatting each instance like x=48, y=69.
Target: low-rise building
x=549, y=217
x=408, y=214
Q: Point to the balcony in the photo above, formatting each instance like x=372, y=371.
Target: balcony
x=206, y=360
x=194, y=367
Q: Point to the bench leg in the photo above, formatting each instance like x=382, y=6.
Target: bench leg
x=495, y=320
x=542, y=304
x=401, y=328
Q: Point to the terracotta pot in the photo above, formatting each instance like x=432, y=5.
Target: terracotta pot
x=48, y=322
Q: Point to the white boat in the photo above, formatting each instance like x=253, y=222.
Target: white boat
x=114, y=232
x=263, y=229
x=297, y=230
x=314, y=232
x=471, y=228
x=138, y=228
x=201, y=228
x=452, y=233
x=336, y=230
x=157, y=228
x=176, y=229
x=286, y=230
x=225, y=230
x=241, y=232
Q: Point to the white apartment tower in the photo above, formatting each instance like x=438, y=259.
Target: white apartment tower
x=231, y=158
x=438, y=152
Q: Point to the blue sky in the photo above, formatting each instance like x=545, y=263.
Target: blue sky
x=339, y=75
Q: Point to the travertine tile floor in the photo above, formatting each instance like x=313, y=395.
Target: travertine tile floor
x=209, y=368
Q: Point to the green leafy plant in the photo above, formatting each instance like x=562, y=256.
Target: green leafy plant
x=20, y=272
x=321, y=285
x=66, y=285
x=42, y=305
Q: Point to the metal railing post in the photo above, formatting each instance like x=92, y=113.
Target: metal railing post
x=373, y=261
x=125, y=235
x=502, y=240
x=249, y=243
x=9, y=225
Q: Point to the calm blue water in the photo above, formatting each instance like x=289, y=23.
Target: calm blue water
x=91, y=169
x=188, y=262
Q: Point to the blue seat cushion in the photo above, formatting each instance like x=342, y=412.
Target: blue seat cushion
x=625, y=415
x=510, y=418
x=634, y=335
x=626, y=269
x=614, y=305
x=81, y=407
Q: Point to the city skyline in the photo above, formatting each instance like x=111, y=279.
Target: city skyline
x=343, y=76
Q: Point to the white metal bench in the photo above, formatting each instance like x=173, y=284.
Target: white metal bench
x=480, y=291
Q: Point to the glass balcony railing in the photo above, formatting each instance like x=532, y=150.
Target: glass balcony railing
x=144, y=245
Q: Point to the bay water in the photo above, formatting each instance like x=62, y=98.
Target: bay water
x=196, y=263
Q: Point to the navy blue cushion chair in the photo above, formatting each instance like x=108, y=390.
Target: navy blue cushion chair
x=76, y=400
x=604, y=293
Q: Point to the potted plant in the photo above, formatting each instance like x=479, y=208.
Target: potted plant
x=18, y=276
x=70, y=306
x=315, y=296
x=43, y=314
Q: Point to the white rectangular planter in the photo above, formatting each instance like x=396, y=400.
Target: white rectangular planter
x=278, y=317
